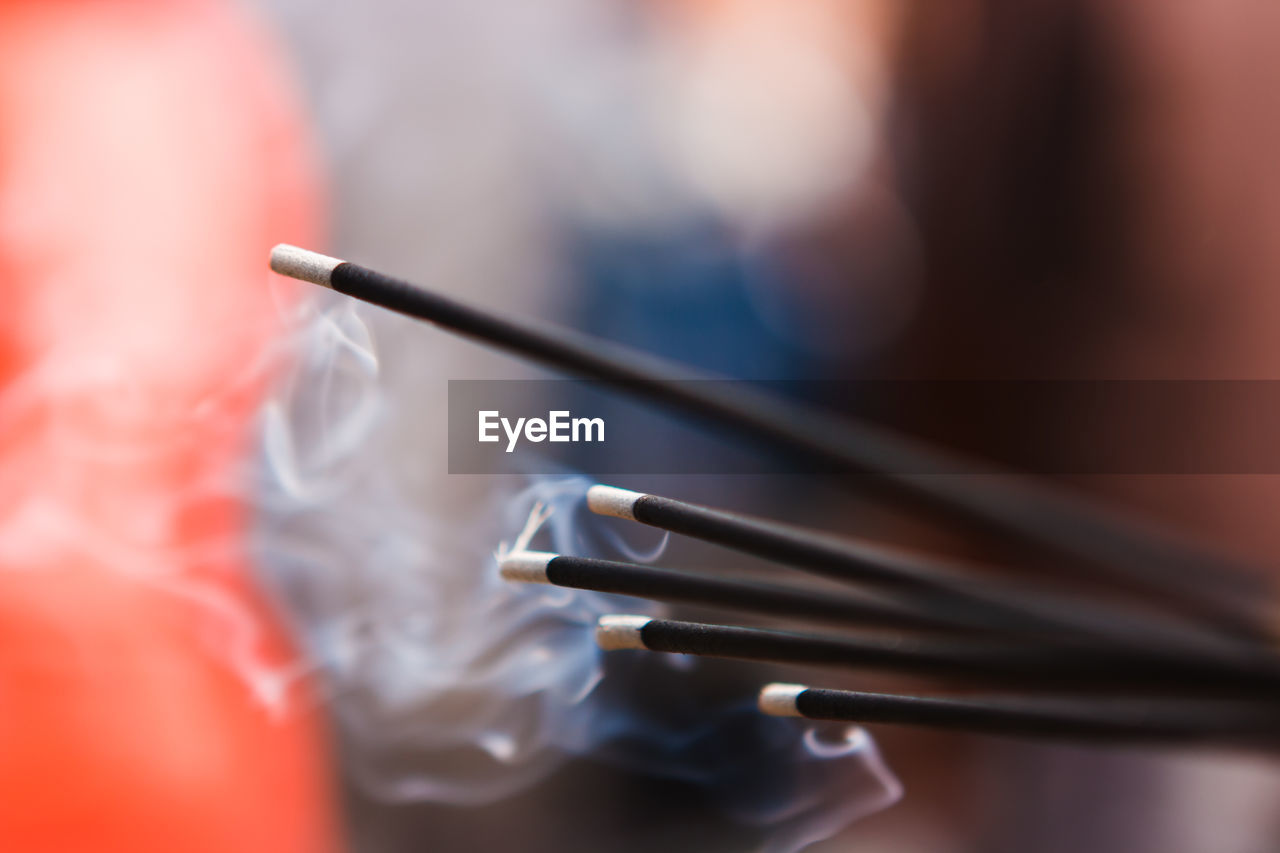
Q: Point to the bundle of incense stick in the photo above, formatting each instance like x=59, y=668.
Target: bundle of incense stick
x=1082, y=671
x=1200, y=668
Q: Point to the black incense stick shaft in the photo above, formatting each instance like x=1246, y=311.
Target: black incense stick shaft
x=1204, y=583
x=1009, y=664
x=720, y=593
x=1172, y=721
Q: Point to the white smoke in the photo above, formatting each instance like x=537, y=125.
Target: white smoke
x=451, y=685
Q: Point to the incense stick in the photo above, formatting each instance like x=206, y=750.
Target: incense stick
x=721, y=593
x=1021, y=666
x=905, y=470
x=1170, y=721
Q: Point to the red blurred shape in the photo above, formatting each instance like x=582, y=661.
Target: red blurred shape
x=150, y=154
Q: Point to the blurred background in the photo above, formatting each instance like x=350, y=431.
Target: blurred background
x=243, y=604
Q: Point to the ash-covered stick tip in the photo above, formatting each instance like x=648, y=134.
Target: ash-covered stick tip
x=779, y=700
x=526, y=566
x=608, y=500
x=303, y=264
x=620, y=632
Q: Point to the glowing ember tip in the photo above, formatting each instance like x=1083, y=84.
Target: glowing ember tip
x=303, y=264
x=779, y=700
x=607, y=500
x=527, y=566
x=620, y=632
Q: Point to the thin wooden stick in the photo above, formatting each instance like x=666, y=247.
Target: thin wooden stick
x=905, y=470
x=1014, y=665
x=721, y=593
x=1168, y=721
